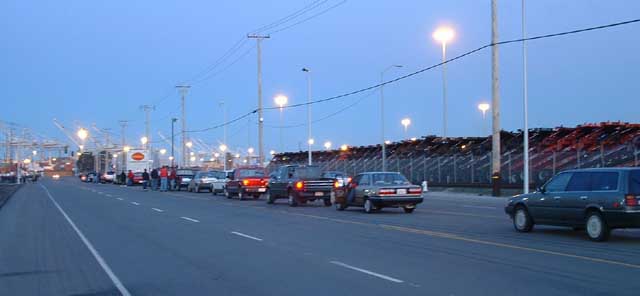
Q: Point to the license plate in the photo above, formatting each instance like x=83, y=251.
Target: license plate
x=262, y=189
x=319, y=193
x=401, y=191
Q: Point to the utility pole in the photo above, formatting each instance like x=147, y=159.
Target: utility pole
x=260, y=117
x=123, y=125
x=184, y=89
x=525, y=101
x=495, y=102
x=309, y=139
x=147, y=109
x=173, y=157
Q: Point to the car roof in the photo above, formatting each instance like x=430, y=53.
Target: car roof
x=613, y=169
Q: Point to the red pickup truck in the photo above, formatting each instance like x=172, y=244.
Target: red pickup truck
x=247, y=181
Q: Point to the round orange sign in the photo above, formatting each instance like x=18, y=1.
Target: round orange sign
x=137, y=156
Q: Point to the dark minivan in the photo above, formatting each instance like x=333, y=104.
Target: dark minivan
x=597, y=200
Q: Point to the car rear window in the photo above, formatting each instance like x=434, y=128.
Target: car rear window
x=184, y=172
x=604, y=181
x=251, y=173
x=634, y=182
x=389, y=179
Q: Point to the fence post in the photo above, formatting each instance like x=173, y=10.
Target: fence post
x=424, y=168
x=439, y=172
x=554, y=162
x=578, y=156
x=601, y=155
x=455, y=174
x=411, y=169
x=473, y=168
x=509, y=171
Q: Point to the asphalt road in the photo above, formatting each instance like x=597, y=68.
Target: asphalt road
x=71, y=238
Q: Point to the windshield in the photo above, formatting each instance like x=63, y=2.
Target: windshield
x=389, y=179
x=184, y=172
x=634, y=182
x=251, y=173
x=309, y=172
x=333, y=175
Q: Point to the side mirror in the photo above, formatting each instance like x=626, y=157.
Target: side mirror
x=541, y=189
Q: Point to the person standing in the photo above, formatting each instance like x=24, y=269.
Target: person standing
x=154, y=179
x=163, y=178
x=172, y=179
x=145, y=179
x=122, y=179
x=130, y=178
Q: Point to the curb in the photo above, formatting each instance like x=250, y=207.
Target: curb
x=6, y=195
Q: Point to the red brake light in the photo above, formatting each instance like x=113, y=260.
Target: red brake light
x=299, y=185
x=387, y=191
x=630, y=200
x=415, y=190
x=245, y=182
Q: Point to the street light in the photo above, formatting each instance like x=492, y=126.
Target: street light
x=311, y=142
x=81, y=147
x=405, y=122
x=26, y=161
x=344, y=147
x=223, y=148
x=250, y=150
x=82, y=134
x=126, y=148
x=444, y=35
x=484, y=107
x=327, y=145
x=384, y=146
x=189, y=144
x=306, y=70
x=144, y=140
x=34, y=152
x=163, y=151
x=272, y=152
x=281, y=101
x=216, y=155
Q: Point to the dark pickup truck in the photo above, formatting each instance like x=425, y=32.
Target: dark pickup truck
x=299, y=184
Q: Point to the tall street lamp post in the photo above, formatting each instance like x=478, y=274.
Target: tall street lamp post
x=384, y=146
x=281, y=101
x=444, y=35
x=309, y=138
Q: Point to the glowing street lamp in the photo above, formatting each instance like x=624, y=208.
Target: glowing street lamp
x=327, y=145
x=34, y=152
x=281, y=101
x=216, y=155
x=405, y=122
x=444, y=35
x=126, y=148
x=484, y=107
x=237, y=155
x=82, y=134
x=144, y=140
x=272, y=152
x=311, y=141
x=344, y=147
x=26, y=161
x=163, y=151
x=250, y=150
x=81, y=147
x=223, y=147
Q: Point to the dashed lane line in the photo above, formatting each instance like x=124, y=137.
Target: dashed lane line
x=190, y=219
x=371, y=273
x=246, y=236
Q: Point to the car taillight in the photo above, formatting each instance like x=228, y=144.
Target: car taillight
x=299, y=185
x=415, y=190
x=245, y=182
x=387, y=191
x=631, y=200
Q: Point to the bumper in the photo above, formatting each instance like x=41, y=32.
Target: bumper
x=509, y=210
x=622, y=219
x=257, y=189
x=396, y=201
x=308, y=195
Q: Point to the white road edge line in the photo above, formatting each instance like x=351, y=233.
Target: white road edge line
x=120, y=198
x=109, y=195
x=479, y=207
x=382, y=276
x=157, y=210
x=116, y=281
x=135, y=203
x=246, y=236
x=190, y=219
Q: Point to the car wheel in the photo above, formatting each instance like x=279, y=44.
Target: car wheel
x=409, y=209
x=522, y=220
x=269, y=197
x=226, y=193
x=369, y=207
x=327, y=202
x=597, y=228
x=339, y=206
x=293, y=201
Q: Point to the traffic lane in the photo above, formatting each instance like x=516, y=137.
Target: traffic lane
x=445, y=260
x=40, y=254
x=244, y=267
x=623, y=245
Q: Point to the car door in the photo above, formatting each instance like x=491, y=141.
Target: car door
x=278, y=185
x=572, y=204
x=543, y=205
x=363, y=188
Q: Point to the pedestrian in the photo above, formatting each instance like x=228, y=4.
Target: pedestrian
x=172, y=179
x=145, y=179
x=130, y=178
x=154, y=179
x=122, y=179
x=163, y=178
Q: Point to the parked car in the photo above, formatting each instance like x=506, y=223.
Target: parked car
x=300, y=184
x=89, y=177
x=377, y=190
x=56, y=177
x=108, y=177
x=137, y=178
x=220, y=180
x=341, y=177
x=201, y=180
x=183, y=177
x=247, y=181
x=596, y=200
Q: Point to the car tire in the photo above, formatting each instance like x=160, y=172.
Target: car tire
x=596, y=228
x=293, y=201
x=226, y=193
x=522, y=221
x=327, y=202
x=409, y=209
x=270, y=199
x=369, y=207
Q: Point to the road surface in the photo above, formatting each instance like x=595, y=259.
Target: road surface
x=71, y=238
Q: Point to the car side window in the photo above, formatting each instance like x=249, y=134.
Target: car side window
x=604, y=181
x=365, y=180
x=558, y=183
x=580, y=181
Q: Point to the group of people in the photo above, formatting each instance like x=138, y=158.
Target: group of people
x=163, y=179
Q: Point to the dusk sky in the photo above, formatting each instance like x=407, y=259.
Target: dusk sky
x=86, y=62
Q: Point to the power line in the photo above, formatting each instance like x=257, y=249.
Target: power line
x=426, y=69
x=309, y=18
x=214, y=74
x=289, y=17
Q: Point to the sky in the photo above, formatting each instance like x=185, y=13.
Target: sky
x=97, y=62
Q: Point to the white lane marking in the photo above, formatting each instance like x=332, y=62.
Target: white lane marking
x=116, y=281
x=157, y=210
x=479, y=207
x=120, y=198
x=382, y=276
x=100, y=192
x=246, y=236
x=109, y=195
x=190, y=219
x=135, y=203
